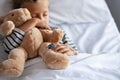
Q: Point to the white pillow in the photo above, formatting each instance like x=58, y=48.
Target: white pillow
x=69, y=11
x=5, y=6
x=76, y=11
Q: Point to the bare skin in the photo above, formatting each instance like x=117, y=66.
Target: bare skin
x=31, y=23
x=40, y=10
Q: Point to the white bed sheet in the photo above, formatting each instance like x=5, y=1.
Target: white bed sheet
x=97, y=38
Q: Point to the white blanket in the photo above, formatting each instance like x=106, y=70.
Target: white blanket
x=92, y=28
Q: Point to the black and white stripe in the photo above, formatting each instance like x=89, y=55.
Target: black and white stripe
x=13, y=40
x=66, y=39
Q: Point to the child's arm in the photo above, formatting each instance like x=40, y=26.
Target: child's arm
x=29, y=24
x=33, y=23
x=43, y=25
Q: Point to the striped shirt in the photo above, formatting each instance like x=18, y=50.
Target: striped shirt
x=13, y=40
x=66, y=39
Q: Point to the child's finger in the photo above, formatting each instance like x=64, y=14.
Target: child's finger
x=59, y=48
x=63, y=51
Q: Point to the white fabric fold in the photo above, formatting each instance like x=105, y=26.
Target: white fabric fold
x=92, y=28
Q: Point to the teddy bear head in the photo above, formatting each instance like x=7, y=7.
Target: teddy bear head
x=17, y=16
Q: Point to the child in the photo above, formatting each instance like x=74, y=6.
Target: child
x=39, y=9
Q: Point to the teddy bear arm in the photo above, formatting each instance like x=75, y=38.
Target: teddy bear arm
x=6, y=28
x=53, y=59
x=53, y=36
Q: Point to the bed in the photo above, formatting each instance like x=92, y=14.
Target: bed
x=92, y=28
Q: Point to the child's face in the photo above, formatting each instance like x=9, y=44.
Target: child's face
x=39, y=10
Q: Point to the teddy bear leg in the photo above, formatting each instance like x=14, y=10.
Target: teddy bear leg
x=13, y=67
x=52, y=59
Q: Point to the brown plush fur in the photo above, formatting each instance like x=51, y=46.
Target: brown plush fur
x=30, y=46
x=53, y=60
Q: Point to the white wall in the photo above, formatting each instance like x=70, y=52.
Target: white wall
x=114, y=6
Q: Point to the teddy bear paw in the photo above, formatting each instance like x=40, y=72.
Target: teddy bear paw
x=57, y=35
x=8, y=71
x=6, y=28
x=1, y=69
x=55, y=60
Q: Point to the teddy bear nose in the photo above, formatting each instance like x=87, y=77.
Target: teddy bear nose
x=51, y=46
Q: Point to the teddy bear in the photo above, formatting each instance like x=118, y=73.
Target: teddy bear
x=23, y=41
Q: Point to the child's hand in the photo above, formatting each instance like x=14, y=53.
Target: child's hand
x=31, y=24
x=43, y=26
x=65, y=49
